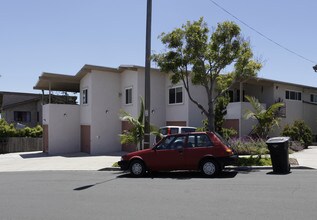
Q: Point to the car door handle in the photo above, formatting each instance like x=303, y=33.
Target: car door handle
x=180, y=150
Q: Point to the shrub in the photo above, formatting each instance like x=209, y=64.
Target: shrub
x=252, y=161
x=249, y=146
x=8, y=130
x=299, y=131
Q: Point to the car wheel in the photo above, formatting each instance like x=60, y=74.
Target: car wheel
x=209, y=168
x=137, y=168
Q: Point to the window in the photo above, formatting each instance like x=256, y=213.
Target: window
x=293, y=95
x=313, y=97
x=85, y=96
x=172, y=142
x=175, y=95
x=22, y=116
x=128, y=96
x=200, y=140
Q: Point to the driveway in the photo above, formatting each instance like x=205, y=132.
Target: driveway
x=39, y=161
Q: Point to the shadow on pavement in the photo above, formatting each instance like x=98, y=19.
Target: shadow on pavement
x=274, y=173
x=70, y=155
x=181, y=175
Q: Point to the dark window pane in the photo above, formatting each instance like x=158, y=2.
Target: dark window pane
x=85, y=96
x=179, y=95
x=292, y=95
x=299, y=96
x=174, y=130
x=287, y=94
x=171, y=96
x=128, y=96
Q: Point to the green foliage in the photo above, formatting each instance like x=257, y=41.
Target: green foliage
x=136, y=134
x=228, y=133
x=194, y=55
x=267, y=118
x=220, y=111
x=8, y=130
x=299, y=131
x=254, y=161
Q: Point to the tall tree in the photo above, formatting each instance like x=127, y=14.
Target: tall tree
x=192, y=56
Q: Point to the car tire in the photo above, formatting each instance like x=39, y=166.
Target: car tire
x=209, y=168
x=137, y=168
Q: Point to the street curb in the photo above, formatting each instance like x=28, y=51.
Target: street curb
x=246, y=168
x=242, y=168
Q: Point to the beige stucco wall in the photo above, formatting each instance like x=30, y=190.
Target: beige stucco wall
x=105, y=106
x=63, y=128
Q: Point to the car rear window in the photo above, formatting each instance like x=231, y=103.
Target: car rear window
x=164, y=131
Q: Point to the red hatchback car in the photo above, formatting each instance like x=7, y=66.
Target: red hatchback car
x=204, y=151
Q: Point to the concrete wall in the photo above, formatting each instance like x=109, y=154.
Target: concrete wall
x=63, y=128
x=129, y=79
x=105, y=106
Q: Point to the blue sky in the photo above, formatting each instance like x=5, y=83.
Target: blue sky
x=60, y=36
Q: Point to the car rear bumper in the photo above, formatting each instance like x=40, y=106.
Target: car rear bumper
x=225, y=161
x=124, y=164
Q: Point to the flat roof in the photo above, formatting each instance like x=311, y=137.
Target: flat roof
x=69, y=83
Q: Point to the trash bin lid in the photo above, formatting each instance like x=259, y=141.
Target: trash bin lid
x=277, y=140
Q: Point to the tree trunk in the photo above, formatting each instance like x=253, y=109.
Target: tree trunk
x=211, y=118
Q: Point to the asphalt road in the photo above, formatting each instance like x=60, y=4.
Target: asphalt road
x=114, y=195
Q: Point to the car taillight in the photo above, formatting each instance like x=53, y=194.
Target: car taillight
x=228, y=150
x=168, y=130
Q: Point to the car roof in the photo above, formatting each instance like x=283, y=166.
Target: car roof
x=173, y=126
x=196, y=132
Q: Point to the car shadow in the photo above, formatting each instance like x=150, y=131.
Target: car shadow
x=180, y=175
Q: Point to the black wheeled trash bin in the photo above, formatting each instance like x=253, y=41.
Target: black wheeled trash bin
x=278, y=147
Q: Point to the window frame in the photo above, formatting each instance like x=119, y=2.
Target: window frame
x=313, y=97
x=293, y=95
x=176, y=102
x=27, y=115
x=128, y=95
x=84, y=98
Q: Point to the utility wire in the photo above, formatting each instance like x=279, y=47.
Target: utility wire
x=258, y=32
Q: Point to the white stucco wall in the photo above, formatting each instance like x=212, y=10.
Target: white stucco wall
x=195, y=117
x=129, y=79
x=105, y=105
x=63, y=128
x=158, y=99
x=176, y=112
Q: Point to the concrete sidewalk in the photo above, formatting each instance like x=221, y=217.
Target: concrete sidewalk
x=39, y=161
x=307, y=158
